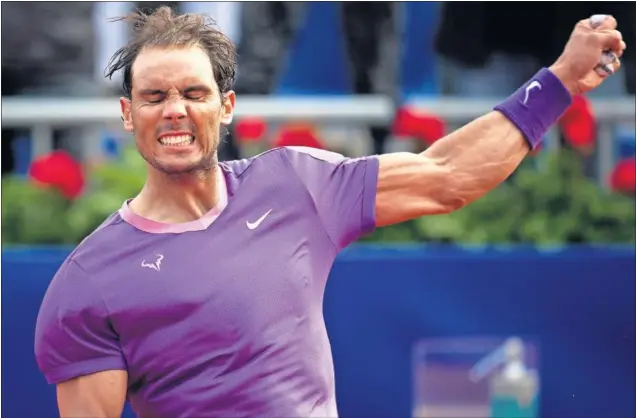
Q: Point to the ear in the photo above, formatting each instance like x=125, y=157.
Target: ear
x=126, y=113
x=227, y=107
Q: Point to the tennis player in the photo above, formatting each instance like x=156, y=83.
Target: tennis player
x=202, y=296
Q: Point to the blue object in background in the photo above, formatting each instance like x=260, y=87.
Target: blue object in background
x=625, y=142
x=577, y=303
x=110, y=145
x=316, y=60
x=22, y=155
x=419, y=62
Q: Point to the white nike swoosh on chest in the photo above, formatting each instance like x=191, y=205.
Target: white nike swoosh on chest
x=254, y=225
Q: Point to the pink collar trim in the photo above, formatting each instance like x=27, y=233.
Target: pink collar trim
x=153, y=227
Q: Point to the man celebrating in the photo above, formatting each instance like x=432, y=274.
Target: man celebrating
x=202, y=296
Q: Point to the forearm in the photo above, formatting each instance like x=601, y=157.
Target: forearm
x=479, y=156
x=482, y=154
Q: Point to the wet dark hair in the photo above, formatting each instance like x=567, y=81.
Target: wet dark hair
x=165, y=28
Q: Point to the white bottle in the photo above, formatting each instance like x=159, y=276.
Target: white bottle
x=514, y=389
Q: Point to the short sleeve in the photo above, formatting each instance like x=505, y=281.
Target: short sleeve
x=343, y=190
x=73, y=336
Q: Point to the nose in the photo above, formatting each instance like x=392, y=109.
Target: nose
x=174, y=110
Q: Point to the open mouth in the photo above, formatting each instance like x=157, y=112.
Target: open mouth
x=177, y=140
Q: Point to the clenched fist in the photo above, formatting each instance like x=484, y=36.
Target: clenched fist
x=591, y=55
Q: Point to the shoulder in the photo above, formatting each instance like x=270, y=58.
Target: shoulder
x=304, y=154
x=287, y=156
x=315, y=153
x=237, y=168
x=104, y=246
x=75, y=275
x=303, y=164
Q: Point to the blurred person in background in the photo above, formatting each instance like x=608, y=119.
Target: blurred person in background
x=371, y=41
x=485, y=54
x=46, y=51
x=370, y=30
x=263, y=31
x=203, y=294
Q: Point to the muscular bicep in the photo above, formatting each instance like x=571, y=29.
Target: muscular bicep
x=410, y=185
x=99, y=395
x=454, y=171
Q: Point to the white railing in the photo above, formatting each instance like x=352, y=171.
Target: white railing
x=24, y=112
x=44, y=114
x=72, y=112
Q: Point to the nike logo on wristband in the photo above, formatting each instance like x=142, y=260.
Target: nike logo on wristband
x=533, y=85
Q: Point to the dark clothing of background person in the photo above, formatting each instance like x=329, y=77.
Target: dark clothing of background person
x=47, y=49
x=370, y=36
x=469, y=33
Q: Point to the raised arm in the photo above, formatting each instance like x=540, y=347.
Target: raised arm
x=98, y=395
x=473, y=160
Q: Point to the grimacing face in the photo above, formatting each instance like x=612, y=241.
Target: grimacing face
x=176, y=109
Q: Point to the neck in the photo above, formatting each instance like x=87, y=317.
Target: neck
x=177, y=198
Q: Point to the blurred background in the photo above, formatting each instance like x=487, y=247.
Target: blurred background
x=519, y=305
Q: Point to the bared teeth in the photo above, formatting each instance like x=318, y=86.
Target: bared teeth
x=177, y=140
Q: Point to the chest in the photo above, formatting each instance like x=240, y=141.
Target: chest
x=250, y=275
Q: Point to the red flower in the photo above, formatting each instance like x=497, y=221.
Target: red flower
x=623, y=177
x=299, y=136
x=250, y=130
x=425, y=127
x=58, y=169
x=578, y=124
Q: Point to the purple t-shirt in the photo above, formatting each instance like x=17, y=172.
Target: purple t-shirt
x=221, y=316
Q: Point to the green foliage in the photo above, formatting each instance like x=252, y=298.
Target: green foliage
x=34, y=215
x=553, y=205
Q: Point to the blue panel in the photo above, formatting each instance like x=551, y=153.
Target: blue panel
x=419, y=62
x=22, y=154
x=316, y=63
x=578, y=303
x=625, y=142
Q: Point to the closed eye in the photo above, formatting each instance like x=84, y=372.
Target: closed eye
x=196, y=92
x=195, y=96
x=153, y=96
